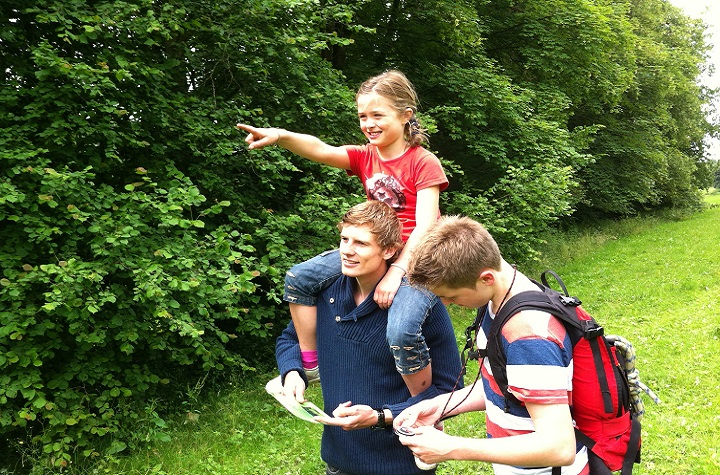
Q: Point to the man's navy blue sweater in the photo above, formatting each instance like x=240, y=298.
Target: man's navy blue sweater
x=356, y=365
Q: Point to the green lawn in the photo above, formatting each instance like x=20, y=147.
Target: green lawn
x=656, y=282
x=713, y=197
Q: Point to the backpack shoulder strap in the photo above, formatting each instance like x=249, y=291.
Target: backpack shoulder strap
x=561, y=306
x=549, y=301
x=496, y=356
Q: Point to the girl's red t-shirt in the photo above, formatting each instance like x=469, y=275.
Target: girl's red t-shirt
x=397, y=181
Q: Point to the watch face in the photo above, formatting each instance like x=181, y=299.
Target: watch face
x=381, y=418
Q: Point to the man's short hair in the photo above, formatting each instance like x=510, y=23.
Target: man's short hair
x=382, y=219
x=453, y=253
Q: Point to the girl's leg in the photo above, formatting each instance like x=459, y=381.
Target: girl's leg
x=418, y=382
x=305, y=320
x=303, y=283
x=406, y=317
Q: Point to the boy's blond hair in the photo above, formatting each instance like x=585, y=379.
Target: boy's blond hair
x=453, y=253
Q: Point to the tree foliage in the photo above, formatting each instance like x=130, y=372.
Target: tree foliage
x=143, y=244
x=106, y=298
x=651, y=147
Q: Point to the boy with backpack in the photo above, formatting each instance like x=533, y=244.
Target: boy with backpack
x=528, y=369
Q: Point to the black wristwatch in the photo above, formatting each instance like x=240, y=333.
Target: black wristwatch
x=381, y=419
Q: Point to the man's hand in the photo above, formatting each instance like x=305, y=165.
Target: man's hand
x=294, y=386
x=350, y=417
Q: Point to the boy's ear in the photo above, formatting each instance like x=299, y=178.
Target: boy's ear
x=487, y=277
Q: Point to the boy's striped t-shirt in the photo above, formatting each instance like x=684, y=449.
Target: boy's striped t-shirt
x=539, y=370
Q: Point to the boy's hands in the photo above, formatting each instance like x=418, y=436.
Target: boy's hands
x=424, y=413
x=428, y=444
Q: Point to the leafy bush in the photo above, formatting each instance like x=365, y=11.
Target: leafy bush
x=106, y=296
x=518, y=216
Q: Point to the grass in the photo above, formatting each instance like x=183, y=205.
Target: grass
x=713, y=196
x=655, y=281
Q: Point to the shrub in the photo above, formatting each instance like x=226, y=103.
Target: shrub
x=106, y=297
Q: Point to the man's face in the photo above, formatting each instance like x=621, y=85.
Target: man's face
x=465, y=297
x=360, y=252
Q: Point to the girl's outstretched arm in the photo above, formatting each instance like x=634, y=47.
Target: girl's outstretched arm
x=307, y=146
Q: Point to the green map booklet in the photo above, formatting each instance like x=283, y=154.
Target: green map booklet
x=303, y=410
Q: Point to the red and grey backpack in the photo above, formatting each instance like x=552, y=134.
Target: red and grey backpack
x=606, y=404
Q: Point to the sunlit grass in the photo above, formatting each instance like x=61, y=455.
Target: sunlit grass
x=713, y=197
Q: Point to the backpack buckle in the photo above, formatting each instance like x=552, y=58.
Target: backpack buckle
x=570, y=301
x=468, y=338
x=592, y=329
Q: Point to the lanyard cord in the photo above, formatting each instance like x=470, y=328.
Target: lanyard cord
x=445, y=412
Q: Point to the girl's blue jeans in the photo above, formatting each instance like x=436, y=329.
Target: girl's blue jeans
x=409, y=309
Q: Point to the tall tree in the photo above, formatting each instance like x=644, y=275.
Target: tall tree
x=650, y=151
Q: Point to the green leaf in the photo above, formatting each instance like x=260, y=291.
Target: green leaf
x=39, y=402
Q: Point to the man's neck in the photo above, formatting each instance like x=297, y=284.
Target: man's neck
x=364, y=285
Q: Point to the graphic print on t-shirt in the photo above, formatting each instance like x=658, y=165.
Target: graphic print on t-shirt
x=386, y=189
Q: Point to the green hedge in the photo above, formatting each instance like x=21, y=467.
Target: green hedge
x=107, y=298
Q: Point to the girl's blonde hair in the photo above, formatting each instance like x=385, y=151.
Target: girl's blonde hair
x=397, y=88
